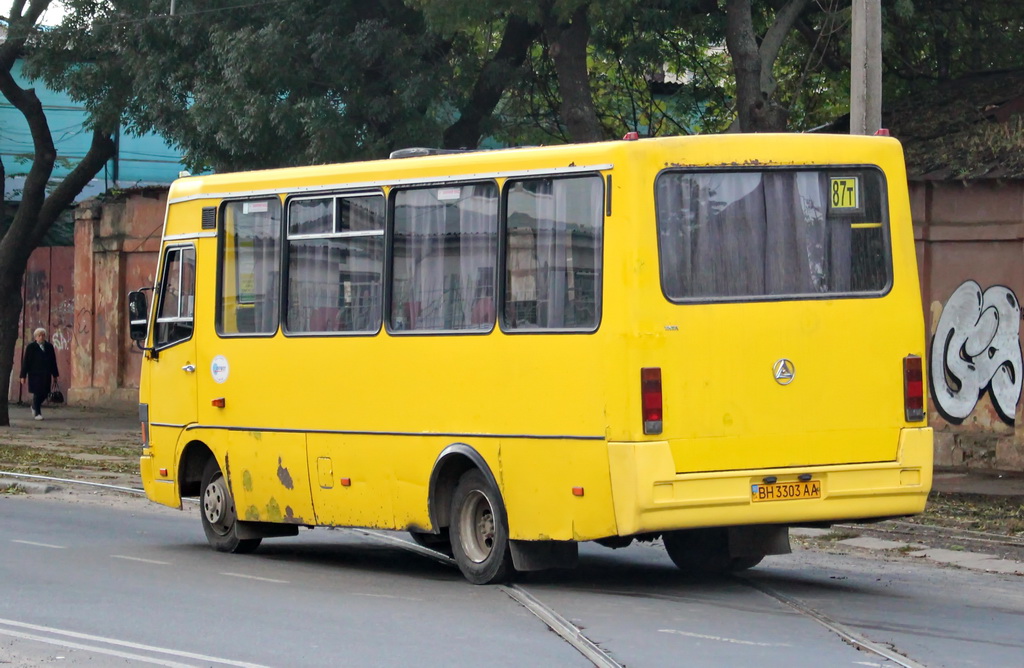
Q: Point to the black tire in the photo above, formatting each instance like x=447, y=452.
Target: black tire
x=438, y=542
x=737, y=564
x=217, y=510
x=704, y=552
x=479, y=535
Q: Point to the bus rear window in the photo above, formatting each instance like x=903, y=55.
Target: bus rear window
x=733, y=235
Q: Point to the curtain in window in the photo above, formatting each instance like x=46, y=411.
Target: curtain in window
x=445, y=257
x=750, y=234
x=553, y=253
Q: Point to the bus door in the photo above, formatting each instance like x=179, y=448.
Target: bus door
x=172, y=400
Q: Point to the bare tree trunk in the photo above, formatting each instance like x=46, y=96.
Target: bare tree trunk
x=756, y=107
x=567, y=48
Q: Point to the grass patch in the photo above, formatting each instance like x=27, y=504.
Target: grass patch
x=45, y=461
x=974, y=512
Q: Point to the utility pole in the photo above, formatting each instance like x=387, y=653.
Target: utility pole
x=866, y=68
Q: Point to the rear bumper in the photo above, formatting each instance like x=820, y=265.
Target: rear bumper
x=649, y=496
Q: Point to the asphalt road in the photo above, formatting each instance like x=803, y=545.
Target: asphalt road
x=124, y=582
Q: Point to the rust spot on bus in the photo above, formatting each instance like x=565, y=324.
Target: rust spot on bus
x=283, y=475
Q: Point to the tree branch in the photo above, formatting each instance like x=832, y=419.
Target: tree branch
x=773, y=40
x=100, y=151
x=491, y=82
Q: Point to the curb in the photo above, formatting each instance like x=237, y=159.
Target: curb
x=975, y=561
x=27, y=487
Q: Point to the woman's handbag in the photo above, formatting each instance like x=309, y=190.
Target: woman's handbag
x=56, y=396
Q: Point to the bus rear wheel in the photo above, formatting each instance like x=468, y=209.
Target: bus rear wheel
x=479, y=536
x=217, y=509
x=705, y=552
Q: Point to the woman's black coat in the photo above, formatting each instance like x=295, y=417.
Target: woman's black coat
x=39, y=365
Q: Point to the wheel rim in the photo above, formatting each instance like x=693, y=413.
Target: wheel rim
x=217, y=506
x=476, y=525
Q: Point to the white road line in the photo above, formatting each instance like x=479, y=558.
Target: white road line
x=145, y=561
x=98, y=650
x=734, y=641
x=112, y=641
x=254, y=577
x=33, y=543
x=400, y=598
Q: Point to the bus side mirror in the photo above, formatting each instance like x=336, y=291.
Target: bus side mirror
x=138, y=313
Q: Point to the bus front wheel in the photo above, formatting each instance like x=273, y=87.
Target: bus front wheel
x=478, y=533
x=218, y=513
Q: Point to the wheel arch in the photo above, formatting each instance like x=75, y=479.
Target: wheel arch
x=193, y=460
x=449, y=466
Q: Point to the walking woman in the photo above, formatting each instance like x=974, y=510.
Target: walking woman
x=40, y=367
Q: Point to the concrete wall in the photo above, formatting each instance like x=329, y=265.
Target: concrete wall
x=116, y=250
x=970, y=245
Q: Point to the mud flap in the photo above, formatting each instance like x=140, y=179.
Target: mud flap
x=538, y=555
x=758, y=540
x=247, y=530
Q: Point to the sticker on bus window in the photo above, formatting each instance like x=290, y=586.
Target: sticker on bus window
x=448, y=194
x=255, y=207
x=844, y=195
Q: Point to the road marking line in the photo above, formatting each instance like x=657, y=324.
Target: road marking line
x=116, y=643
x=145, y=561
x=255, y=577
x=400, y=598
x=88, y=648
x=735, y=641
x=29, y=542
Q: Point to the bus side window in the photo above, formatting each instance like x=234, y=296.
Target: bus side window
x=553, y=254
x=335, y=264
x=175, y=314
x=250, y=267
x=445, y=258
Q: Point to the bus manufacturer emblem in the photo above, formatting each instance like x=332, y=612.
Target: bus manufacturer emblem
x=784, y=371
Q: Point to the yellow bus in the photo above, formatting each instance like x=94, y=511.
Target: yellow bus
x=703, y=339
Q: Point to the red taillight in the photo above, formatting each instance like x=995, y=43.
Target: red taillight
x=913, y=388
x=650, y=399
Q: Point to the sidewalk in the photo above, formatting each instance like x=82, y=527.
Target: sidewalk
x=103, y=445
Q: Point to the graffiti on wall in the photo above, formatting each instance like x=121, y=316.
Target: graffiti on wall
x=976, y=348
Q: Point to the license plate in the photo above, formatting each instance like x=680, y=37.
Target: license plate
x=785, y=491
